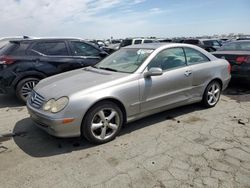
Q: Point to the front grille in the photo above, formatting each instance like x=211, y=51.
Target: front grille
x=36, y=100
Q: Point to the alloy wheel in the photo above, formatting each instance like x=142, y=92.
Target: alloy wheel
x=105, y=123
x=213, y=94
x=27, y=88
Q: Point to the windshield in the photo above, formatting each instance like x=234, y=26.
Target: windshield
x=125, y=60
x=236, y=46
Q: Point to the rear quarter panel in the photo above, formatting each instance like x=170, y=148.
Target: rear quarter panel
x=204, y=73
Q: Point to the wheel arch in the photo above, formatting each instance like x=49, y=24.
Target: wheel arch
x=110, y=99
x=218, y=80
x=33, y=74
x=215, y=79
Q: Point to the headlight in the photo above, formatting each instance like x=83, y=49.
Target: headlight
x=55, y=106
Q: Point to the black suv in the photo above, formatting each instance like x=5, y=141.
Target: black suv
x=24, y=62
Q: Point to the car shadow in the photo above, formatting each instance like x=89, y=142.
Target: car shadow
x=38, y=143
x=238, y=90
x=9, y=101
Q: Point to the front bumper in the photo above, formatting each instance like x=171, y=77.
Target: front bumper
x=54, y=126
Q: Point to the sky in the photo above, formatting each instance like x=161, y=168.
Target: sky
x=123, y=18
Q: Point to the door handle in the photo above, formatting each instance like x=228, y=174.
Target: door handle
x=188, y=73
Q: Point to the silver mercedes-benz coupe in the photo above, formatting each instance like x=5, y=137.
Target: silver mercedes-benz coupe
x=132, y=83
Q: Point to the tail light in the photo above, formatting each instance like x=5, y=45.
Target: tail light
x=242, y=59
x=6, y=60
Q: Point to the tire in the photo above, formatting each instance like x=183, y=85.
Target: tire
x=24, y=87
x=102, y=123
x=212, y=94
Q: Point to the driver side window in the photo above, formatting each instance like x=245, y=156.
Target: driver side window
x=169, y=59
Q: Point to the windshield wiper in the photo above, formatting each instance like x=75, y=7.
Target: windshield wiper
x=106, y=68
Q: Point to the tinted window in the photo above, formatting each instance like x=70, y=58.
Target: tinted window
x=148, y=41
x=19, y=49
x=236, y=46
x=126, y=42
x=50, y=48
x=191, y=41
x=138, y=41
x=3, y=43
x=211, y=43
x=169, y=59
x=6, y=48
x=83, y=49
x=194, y=57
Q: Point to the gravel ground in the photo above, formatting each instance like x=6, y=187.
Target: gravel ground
x=185, y=147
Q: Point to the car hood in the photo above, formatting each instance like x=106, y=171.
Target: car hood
x=69, y=83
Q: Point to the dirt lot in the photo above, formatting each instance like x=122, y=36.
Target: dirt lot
x=185, y=147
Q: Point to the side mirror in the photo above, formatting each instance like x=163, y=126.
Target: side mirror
x=154, y=71
x=103, y=54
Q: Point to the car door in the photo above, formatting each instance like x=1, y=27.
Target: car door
x=201, y=69
x=85, y=54
x=170, y=88
x=52, y=57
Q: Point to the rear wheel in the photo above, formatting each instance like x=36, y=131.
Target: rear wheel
x=212, y=94
x=102, y=123
x=24, y=87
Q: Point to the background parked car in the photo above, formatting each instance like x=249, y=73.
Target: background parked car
x=133, y=41
x=24, y=62
x=209, y=45
x=238, y=55
x=111, y=48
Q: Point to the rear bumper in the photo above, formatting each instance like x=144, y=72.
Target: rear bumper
x=241, y=72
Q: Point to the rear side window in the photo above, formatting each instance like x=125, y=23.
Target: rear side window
x=195, y=57
x=6, y=48
x=137, y=41
x=19, y=49
x=51, y=48
x=14, y=48
x=83, y=49
x=3, y=43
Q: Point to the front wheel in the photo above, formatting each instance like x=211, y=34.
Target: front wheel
x=24, y=87
x=102, y=123
x=212, y=94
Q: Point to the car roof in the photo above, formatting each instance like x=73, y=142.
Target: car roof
x=46, y=39
x=207, y=39
x=240, y=41
x=146, y=45
x=157, y=45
